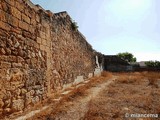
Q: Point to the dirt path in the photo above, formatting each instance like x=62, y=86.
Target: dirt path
x=76, y=108
x=79, y=108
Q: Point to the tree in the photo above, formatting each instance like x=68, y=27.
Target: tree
x=157, y=63
x=127, y=57
x=153, y=64
x=150, y=63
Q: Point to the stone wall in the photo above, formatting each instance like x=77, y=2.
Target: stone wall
x=40, y=54
x=115, y=64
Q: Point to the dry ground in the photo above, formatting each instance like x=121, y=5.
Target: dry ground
x=131, y=93
x=109, y=97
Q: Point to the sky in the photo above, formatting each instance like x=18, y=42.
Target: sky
x=113, y=26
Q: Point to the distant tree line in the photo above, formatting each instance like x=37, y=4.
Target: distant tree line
x=153, y=64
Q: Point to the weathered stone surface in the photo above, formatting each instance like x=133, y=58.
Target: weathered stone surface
x=5, y=65
x=23, y=25
x=16, y=13
x=17, y=105
x=26, y=18
x=2, y=51
x=1, y=103
x=11, y=2
x=40, y=53
x=16, y=77
x=7, y=110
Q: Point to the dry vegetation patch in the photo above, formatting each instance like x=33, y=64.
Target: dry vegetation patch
x=153, y=78
x=130, y=93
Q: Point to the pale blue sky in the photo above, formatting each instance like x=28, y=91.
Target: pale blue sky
x=113, y=26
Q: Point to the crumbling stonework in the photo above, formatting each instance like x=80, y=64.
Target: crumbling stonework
x=40, y=54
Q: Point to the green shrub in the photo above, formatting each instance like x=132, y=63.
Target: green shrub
x=74, y=25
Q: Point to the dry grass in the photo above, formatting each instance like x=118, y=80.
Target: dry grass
x=152, y=77
x=106, y=74
x=130, y=78
x=129, y=94
x=137, y=77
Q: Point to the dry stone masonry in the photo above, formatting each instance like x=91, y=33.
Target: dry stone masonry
x=40, y=54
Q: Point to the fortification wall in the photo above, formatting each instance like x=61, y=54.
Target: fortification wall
x=40, y=54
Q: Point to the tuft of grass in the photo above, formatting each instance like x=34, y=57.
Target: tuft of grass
x=74, y=26
x=106, y=74
x=134, y=77
x=152, y=77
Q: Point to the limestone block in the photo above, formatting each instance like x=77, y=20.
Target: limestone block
x=33, y=54
x=23, y=25
x=44, y=42
x=35, y=100
x=16, y=13
x=97, y=72
x=21, y=52
x=11, y=2
x=28, y=99
x=8, y=51
x=2, y=16
x=90, y=75
x=33, y=21
x=78, y=79
x=65, y=86
x=14, y=21
x=9, y=42
x=28, y=35
x=6, y=83
x=14, y=52
x=18, y=92
x=16, y=65
x=16, y=84
x=26, y=18
x=42, y=35
x=39, y=40
x=16, y=30
x=2, y=51
x=1, y=103
x=39, y=92
x=5, y=65
x=37, y=18
x=5, y=6
x=0, y=6
x=32, y=92
x=23, y=91
x=16, y=76
x=19, y=5
x=15, y=70
x=17, y=44
x=7, y=110
x=7, y=103
x=17, y=105
x=42, y=47
x=2, y=43
x=3, y=58
x=29, y=13
x=31, y=29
